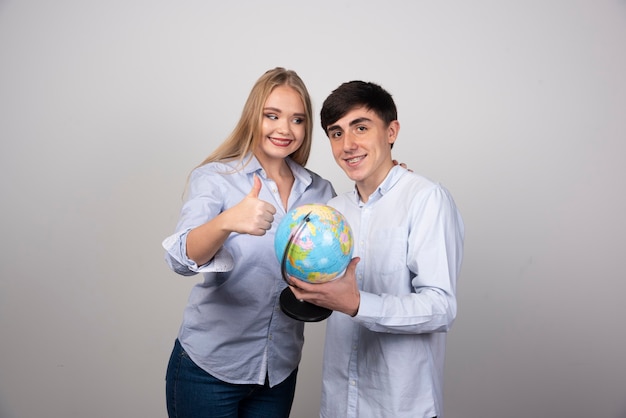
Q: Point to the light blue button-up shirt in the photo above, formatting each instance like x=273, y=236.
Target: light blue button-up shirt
x=388, y=360
x=233, y=326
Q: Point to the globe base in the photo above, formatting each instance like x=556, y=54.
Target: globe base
x=301, y=310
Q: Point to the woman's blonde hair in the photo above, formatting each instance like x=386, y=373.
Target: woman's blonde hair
x=248, y=131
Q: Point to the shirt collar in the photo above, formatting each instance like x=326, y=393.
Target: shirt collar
x=301, y=174
x=387, y=184
x=252, y=165
x=392, y=179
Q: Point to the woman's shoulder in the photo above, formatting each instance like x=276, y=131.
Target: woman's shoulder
x=216, y=174
x=316, y=176
x=217, y=167
x=320, y=181
x=303, y=172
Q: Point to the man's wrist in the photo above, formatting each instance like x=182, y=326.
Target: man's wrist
x=358, y=304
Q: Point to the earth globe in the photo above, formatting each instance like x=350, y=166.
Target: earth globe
x=313, y=243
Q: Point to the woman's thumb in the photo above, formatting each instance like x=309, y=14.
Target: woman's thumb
x=256, y=187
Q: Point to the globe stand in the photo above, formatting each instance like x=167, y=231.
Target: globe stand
x=301, y=310
x=289, y=304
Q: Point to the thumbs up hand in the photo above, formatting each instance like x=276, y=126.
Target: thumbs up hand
x=252, y=215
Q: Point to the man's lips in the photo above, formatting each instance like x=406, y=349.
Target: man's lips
x=352, y=161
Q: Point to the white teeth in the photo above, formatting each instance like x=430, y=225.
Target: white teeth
x=354, y=160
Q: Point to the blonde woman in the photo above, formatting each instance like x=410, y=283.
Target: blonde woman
x=237, y=353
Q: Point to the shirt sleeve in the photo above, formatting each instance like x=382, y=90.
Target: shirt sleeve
x=434, y=254
x=176, y=257
x=204, y=202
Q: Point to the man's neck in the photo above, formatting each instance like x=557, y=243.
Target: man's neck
x=368, y=185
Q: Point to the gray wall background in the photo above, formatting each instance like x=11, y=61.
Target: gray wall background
x=518, y=107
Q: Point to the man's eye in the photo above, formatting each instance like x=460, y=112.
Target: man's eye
x=361, y=128
x=336, y=134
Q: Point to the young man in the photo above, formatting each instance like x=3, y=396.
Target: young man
x=385, y=343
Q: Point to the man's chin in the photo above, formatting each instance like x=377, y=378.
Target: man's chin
x=352, y=174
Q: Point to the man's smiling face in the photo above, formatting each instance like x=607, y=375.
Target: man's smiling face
x=361, y=144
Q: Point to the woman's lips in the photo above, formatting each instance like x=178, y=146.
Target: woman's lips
x=280, y=142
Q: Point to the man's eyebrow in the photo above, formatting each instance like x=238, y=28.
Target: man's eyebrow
x=360, y=120
x=352, y=123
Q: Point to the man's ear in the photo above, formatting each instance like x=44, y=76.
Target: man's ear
x=392, y=131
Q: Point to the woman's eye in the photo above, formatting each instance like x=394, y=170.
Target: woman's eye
x=298, y=121
x=271, y=116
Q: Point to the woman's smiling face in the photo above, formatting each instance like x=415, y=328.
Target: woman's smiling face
x=283, y=126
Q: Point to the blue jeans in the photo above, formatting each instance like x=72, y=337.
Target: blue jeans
x=193, y=393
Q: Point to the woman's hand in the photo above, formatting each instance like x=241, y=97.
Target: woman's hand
x=252, y=215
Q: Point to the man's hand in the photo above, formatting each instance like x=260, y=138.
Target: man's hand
x=340, y=295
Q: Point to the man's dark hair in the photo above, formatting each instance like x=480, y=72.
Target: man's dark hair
x=355, y=94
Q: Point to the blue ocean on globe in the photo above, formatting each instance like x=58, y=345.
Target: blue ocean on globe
x=320, y=243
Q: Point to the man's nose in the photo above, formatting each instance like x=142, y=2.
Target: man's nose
x=349, y=141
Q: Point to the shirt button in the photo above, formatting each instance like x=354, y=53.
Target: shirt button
x=353, y=382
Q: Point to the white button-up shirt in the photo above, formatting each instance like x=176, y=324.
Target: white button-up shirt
x=388, y=360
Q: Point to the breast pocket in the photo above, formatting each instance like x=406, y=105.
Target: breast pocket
x=387, y=252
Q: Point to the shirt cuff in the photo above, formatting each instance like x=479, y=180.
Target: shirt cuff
x=221, y=262
x=175, y=245
x=370, y=307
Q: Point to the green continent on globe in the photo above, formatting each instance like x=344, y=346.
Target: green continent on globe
x=320, y=243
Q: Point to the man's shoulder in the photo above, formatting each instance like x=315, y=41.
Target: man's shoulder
x=414, y=182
